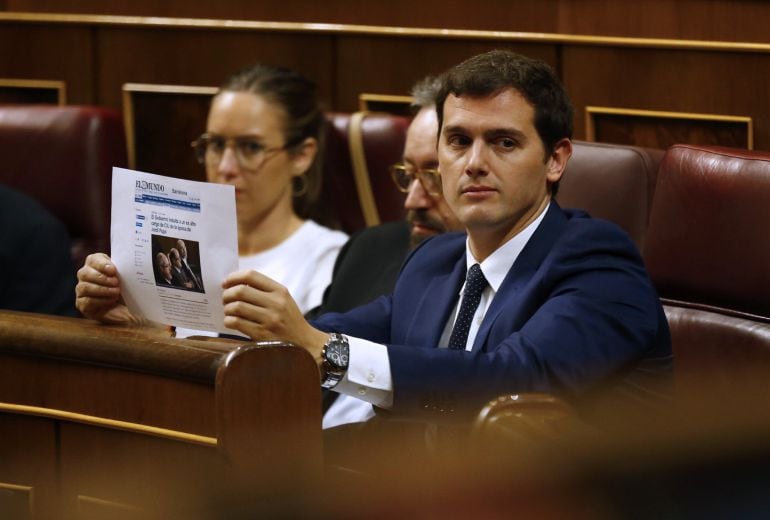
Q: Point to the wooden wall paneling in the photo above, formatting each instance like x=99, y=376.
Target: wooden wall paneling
x=108, y=473
x=743, y=20
x=50, y=52
x=671, y=80
x=654, y=129
x=519, y=15
x=134, y=417
x=150, y=112
x=203, y=57
x=371, y=102
x=179, y=405
x=27, y=484
x=391, y=65
x=729, y=20
x=21, y=91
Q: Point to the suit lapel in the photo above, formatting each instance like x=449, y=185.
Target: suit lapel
x=523, y=269
x=435, y=305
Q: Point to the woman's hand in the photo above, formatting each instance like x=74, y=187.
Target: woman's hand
x=98, y=292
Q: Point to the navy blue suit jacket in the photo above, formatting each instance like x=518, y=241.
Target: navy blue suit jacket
x=576, y=311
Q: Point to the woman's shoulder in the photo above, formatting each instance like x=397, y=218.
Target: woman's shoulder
x=315, y=233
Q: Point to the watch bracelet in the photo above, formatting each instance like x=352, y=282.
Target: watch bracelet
x=330, y=377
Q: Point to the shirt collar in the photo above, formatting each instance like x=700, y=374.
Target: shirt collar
x=496, y=266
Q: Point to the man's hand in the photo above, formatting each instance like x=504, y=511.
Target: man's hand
x=264, y=310
x=98, y=292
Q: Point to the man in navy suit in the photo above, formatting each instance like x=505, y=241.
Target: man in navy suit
x=566, y=304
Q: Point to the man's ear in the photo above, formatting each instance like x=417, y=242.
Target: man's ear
x=303, y=156
x=557, y=162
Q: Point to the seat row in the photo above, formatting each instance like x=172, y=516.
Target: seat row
x=707, y=251
x=697, y=214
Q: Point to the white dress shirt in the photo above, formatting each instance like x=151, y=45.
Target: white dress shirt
x=368, y=380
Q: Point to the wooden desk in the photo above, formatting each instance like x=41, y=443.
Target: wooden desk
x=97, y=419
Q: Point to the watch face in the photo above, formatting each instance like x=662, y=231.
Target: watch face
x=337, y=354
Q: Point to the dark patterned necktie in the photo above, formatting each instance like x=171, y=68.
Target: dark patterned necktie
x=475, y=283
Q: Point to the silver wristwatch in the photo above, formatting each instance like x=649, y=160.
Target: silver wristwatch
x=335, y=358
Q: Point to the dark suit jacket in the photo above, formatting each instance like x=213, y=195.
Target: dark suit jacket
x=576, y=311
x=366, y=267
x=193, y=273
x=36, y=270
x=179, y=277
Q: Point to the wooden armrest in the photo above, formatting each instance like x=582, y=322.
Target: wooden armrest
x=525, y=419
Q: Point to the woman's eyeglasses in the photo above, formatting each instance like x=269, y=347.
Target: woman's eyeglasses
x=249, y=152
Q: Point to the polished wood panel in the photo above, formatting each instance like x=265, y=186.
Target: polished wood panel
x=193, y=57
x=393, y=65
x=50, y=52
x=47, y=92
x=670, y=80
x=682, y=19
x=149, y=111
x=180, y=405
x=730, y=20
x=346, y=61
x=392, y=104
x=25, y=479
x=100, y=418
x=500, y=14
x=110, y=472
x=655, y=129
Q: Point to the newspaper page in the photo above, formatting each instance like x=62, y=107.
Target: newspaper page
x=173, y=242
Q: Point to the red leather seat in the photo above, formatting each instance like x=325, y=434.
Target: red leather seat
x=360, y=148
x=612, y=182
x=707, y=242
x=708, y=254
x=63, y=156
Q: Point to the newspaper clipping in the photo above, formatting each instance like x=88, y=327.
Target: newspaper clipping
x=173, y=242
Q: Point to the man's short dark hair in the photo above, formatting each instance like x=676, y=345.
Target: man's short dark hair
x=489, y=73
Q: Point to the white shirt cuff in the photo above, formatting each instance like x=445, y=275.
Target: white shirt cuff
x=368, y=377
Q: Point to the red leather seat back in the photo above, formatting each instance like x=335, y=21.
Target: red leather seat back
x=63, y=156
x=360, y=148
x=612, y=182
x=707, y=241
x=339, y=196
x=718, y=354
x=383, y=138
x=709, y=257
